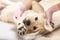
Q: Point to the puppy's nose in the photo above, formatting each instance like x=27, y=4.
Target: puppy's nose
x=27, y=22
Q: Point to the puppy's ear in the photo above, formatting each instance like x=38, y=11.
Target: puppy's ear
x=37, y=7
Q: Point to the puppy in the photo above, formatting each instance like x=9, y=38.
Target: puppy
x=33, y=22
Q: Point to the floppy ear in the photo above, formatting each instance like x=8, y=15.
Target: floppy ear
x=37, y=7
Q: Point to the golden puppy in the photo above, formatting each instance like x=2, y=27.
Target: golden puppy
x=33, y=22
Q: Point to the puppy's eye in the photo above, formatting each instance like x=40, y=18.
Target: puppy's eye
x=34, y=28
x=36, y=18
x=18, y=23
x=16, y=17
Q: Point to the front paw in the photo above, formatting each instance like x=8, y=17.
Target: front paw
x=52, y=24
x=21, y=31
x=49, y=26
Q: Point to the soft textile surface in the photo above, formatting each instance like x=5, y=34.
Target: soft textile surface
x=7, y=31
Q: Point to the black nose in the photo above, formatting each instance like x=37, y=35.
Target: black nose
x=27, y=22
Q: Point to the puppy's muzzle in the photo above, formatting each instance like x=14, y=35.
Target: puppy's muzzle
x=27, y=22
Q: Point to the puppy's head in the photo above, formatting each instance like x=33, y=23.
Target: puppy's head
x=33, y=22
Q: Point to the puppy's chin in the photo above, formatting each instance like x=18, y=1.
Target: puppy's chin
x=30, y=36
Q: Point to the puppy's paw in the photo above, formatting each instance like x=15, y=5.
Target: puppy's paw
x=21, y=31
x=49, y=26
x=52, y=24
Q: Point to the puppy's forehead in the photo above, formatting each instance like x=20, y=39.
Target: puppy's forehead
x=30, y=12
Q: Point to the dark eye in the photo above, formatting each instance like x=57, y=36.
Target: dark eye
x=34, y=28
x=36, y=18
x=18, y=23
x=16, y=17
